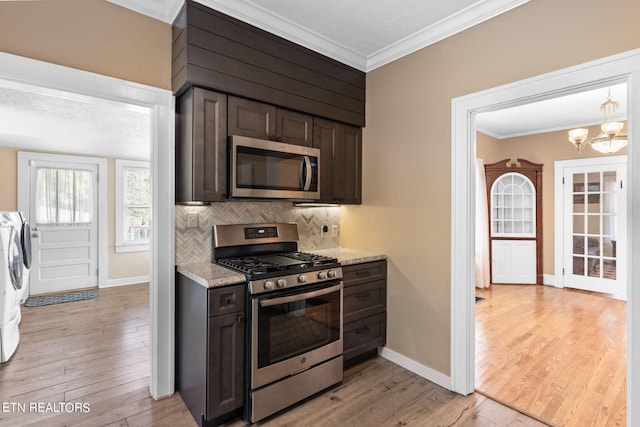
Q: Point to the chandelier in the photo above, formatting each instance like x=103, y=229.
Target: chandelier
x=610, y=140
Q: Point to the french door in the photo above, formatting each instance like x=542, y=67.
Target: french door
x=594, y=226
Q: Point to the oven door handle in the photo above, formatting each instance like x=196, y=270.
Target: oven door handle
x=299, y=297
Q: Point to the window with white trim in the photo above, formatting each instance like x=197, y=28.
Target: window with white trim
x=133, y=206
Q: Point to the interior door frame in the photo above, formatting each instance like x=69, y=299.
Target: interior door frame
x=620, y=68
x=24, y=189
x=558, y=213
x=48, y=78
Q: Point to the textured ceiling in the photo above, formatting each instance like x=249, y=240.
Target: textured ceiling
x=33, y=120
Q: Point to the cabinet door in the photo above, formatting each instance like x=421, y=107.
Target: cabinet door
x=251, y=118
x=226, y=364
x=294, y=128
x=201, y=147
x=325, y=138
x=348, y=187
x=340, y=161
x=513, y=261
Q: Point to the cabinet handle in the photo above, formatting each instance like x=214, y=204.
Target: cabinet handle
x=363, y=295
x=362, y=330
x=363, y=273
x=241, y=318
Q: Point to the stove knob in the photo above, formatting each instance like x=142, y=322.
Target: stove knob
x=281, y=283
x=268, y=285
x=322, y=275
x=331, y=274
x=302, y=278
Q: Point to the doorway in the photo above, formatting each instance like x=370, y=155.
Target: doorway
x=619, y=68
x=76, y=83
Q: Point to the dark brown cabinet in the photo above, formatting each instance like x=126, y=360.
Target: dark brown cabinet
x=201, y=146
x=365, y=310
x=340, y=161
x=265, y=121
x=216, y=51
x=210, y=350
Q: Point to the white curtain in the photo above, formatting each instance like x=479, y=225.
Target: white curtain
x=63, y=196
x=46, y=196
x=482, y=228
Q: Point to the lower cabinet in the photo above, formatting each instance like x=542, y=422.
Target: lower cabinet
x=210, y=350
x=365, y=310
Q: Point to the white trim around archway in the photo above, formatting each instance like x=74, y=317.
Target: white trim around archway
x=77, y=83
x=619, y=68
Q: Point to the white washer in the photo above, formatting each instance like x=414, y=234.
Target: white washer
x=21, y=225
x=11, y=270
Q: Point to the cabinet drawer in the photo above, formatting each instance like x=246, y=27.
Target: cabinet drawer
x=365, y=334
x=361, y=273
x=228, y=299
x=364, y=300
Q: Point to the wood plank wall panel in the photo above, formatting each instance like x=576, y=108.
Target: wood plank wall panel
x=216, y=51
x=179, y=49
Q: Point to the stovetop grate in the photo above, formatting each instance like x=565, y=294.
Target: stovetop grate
x=254, y=265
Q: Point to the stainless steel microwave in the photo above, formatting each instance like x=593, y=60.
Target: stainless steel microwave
x=273, y=170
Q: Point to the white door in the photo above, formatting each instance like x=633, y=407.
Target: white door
x=594, y=224
x=63, y=209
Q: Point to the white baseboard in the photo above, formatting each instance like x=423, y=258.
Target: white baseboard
x=549, y=280
x=126, y=281
x=415, y=367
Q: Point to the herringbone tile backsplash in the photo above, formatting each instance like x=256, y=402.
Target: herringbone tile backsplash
x=195, y=244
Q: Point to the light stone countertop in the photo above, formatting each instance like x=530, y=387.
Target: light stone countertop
x=350, y=256
x=211, y=275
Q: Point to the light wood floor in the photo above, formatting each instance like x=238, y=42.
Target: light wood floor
x=557, y=354
x=96, y=353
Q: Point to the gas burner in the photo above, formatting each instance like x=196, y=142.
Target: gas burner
x=277, y=262
x=306, y=257
x=250, y=265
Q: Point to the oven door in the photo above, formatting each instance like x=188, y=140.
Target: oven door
x=293, y=331
x=269, y=169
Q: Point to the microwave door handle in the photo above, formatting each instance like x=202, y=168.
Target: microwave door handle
x=300, y=297
x=306, y=165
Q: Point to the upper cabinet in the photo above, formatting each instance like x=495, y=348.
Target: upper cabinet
x=201, y=146
x=216, y=51
x=340, y=161
x=231, y=78
x=264, y=121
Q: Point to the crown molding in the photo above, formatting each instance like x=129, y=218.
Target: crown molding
x=456, y=23
x=167, y=10
x=162, y=10
x=287, y=29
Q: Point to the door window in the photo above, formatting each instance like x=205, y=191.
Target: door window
x=63, y=196
x=594, y=224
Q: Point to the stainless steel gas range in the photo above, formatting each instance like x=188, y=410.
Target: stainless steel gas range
x=294, y=314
